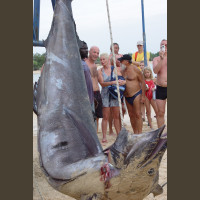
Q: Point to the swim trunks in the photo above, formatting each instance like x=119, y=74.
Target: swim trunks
x=98, y=104
x=131, y=99
x=161, y=92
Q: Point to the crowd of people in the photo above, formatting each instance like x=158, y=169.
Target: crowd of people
x=139, y=90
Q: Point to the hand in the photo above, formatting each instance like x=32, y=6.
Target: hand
x=121, y=82
x=113, y=82
x=161, y=54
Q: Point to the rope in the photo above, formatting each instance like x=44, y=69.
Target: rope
x=115, y=67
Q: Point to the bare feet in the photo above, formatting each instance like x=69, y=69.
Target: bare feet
x=104, y=140
x=111, y=133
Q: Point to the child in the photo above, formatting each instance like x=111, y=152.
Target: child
x=141, y=68
x=150, y=87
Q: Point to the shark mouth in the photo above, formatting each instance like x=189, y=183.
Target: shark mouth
x=157, y=150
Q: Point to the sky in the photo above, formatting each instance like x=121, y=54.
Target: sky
x=126, y=22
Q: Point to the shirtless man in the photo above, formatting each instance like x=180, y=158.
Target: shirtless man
x=134, y=93
x=160, y=68
x=93, y=55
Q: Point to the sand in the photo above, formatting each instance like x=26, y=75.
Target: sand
x=41, y=188
x=36, y=72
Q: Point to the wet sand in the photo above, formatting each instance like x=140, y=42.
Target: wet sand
x=41, y=188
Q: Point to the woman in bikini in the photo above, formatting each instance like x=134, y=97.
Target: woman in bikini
x=109, y=103
x=150, y=87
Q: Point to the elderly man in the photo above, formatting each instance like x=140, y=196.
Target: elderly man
x=134, y=93
x=93, y=55
x=160, y=68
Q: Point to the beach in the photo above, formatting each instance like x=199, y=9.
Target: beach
x=41, y=188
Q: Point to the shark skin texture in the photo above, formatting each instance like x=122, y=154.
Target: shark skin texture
x=70, y=153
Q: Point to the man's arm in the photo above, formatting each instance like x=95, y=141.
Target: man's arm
x=143, y=85
x=157, y=64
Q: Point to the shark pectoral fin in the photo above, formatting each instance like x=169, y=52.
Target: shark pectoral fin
x=157, y=191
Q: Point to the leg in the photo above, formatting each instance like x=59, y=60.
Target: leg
x=123, y=109
x=116, y=117
x=97, y=119
x=130, y=113
x=148, y=109
x=98, y=107
x=123, y=113
x=161, y=112
x=154, y=105
x=143, y=111
x=106, y=113
x=137, y=115
x=110, y=123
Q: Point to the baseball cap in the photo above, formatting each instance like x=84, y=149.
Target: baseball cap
x=140, y=43
x=125, y=57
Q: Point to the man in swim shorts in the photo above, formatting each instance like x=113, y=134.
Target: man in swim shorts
x=93, y=55
x=160, y=68
x=134, y=93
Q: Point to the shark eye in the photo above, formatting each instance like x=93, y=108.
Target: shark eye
x=151, y=172
x=61, y=146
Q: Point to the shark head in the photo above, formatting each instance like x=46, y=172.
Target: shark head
x=138, y=158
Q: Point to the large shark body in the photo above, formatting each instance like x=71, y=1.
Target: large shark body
x=70, y=153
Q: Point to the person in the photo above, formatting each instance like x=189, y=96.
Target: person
x=141, y=68
x=93, y=55
x=109, y=103
x=160, y=68
x=84, y=54
x=150, y=87
x=139, y=55
x=116, y=51
x=134, y=93
x=117, y=55
x=119, y=69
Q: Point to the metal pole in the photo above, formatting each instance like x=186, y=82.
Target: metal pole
x=38, y=43
x=36, y=20
x=53, y=3
x=144, y=35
